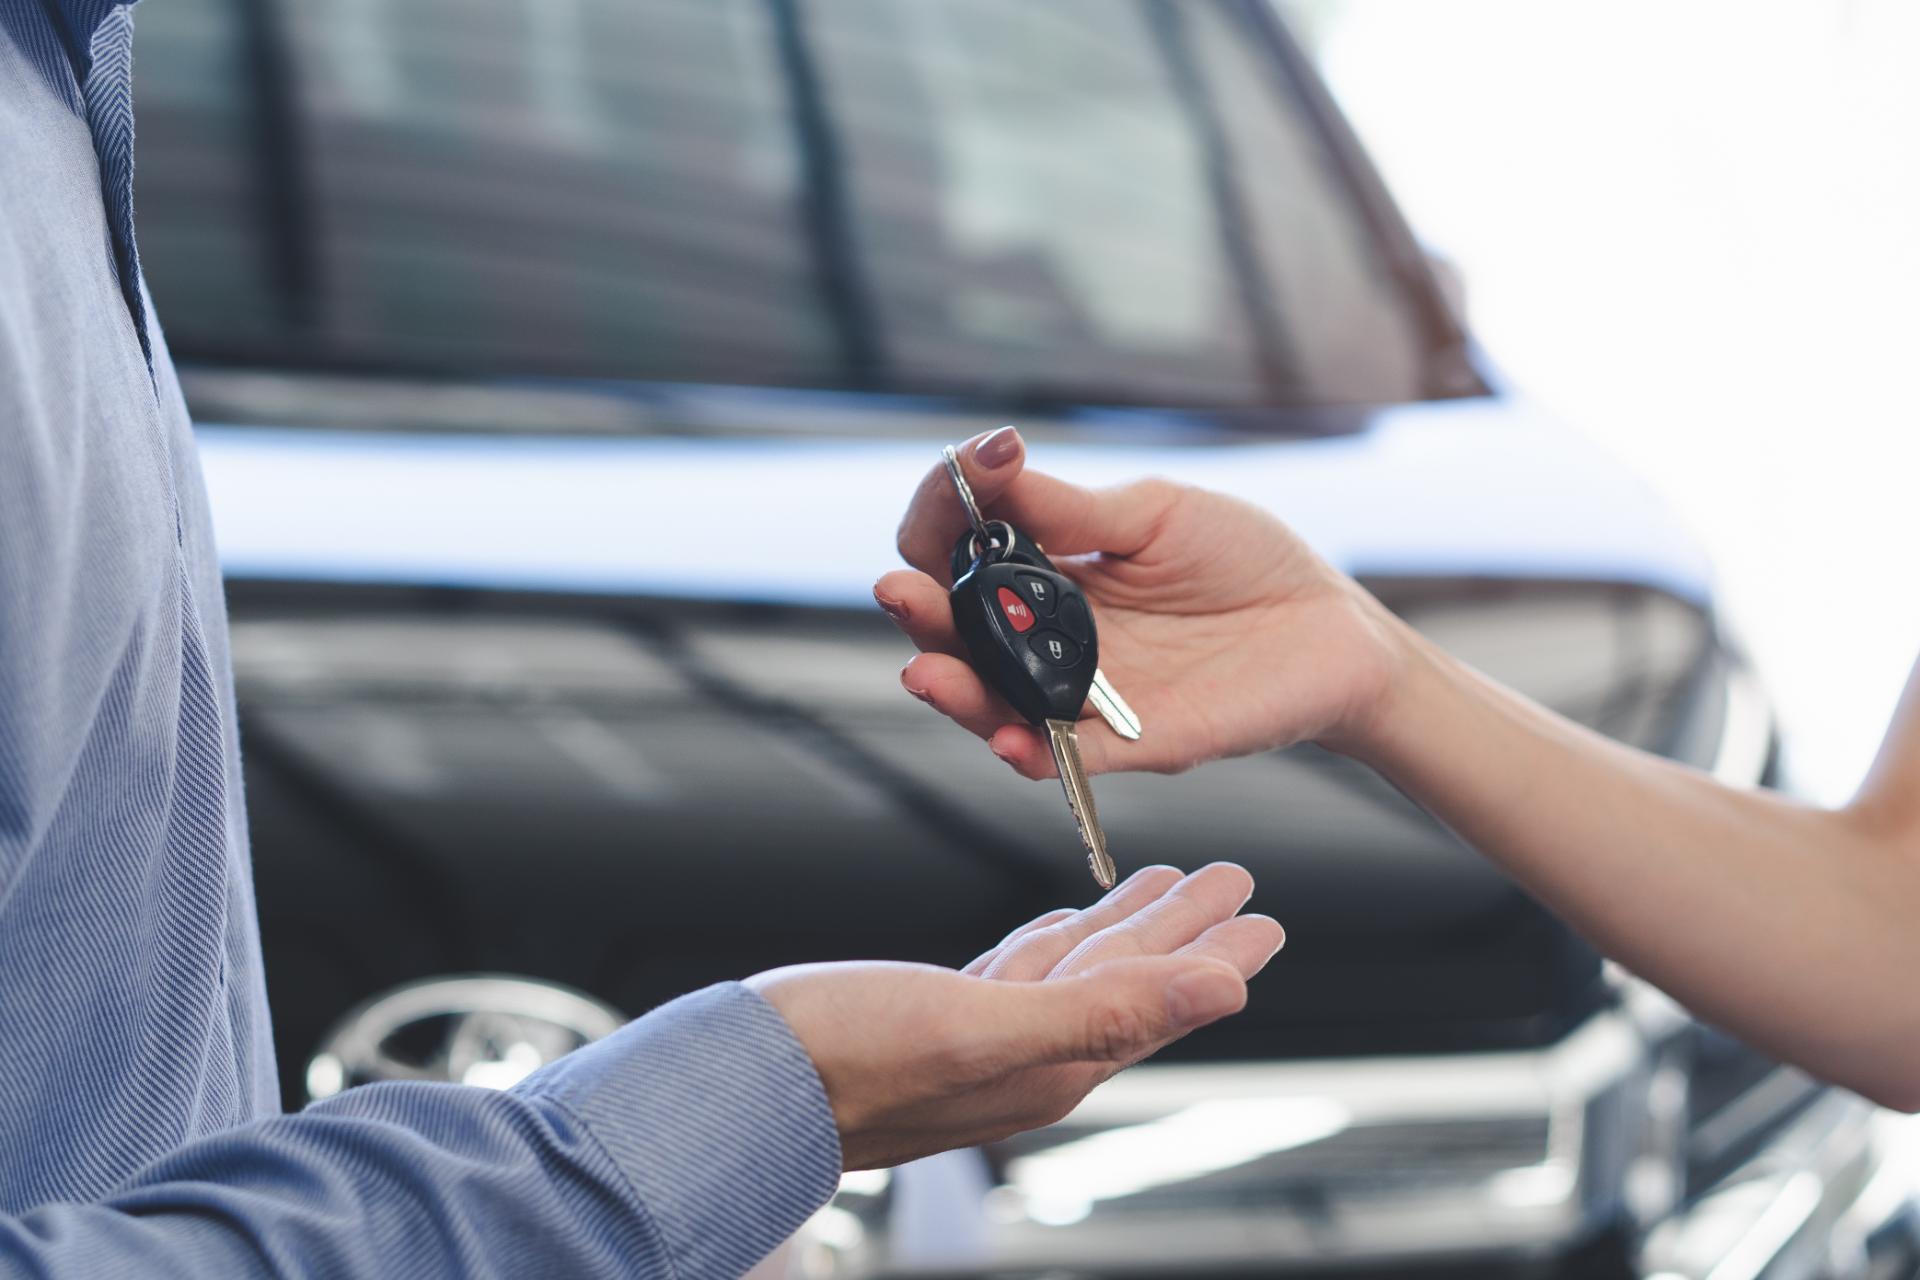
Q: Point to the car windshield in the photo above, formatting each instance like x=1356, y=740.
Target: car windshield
x=1113, y=201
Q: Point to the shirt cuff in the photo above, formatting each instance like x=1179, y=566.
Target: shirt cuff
x=715, y=1114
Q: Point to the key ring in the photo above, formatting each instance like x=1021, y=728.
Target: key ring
x=1006, y=539
x=981, y=531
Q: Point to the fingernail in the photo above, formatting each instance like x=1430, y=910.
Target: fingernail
x=893, y=608
x=1197, y=998
x=918, y=693
x=998, y=449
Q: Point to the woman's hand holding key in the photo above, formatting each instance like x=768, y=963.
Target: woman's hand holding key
x=1784, y=923
x=918, y=1059
x=1226, y=632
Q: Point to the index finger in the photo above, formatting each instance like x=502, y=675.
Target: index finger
x=1185, y=911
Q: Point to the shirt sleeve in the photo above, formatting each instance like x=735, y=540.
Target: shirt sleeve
x=685, y=1147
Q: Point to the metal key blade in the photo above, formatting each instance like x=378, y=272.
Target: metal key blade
x=1113, y=708
x=1064, y=738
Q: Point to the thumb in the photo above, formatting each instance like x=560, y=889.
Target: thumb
x=1065, y=518
x=1069, y=519
x=1123, y=1010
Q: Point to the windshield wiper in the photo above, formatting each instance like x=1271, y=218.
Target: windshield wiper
x=825, y=204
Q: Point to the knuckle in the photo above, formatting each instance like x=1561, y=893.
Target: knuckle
x=1157, y=491
x=1041, y=924
x=1059, y=930
x=1152, y=503
x=1028, y=955
x=1084, y=954
x=1039, y=941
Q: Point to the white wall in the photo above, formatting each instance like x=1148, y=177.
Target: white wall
x=1692, y=228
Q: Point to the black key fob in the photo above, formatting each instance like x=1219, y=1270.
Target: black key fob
x=1029, y=634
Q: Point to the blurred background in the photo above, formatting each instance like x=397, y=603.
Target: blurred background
x=560, y=368
x=1689, y=229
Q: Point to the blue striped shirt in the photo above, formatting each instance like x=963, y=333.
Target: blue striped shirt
x=139, y=1127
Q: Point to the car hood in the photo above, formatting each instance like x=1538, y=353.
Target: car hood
x=1485, y=487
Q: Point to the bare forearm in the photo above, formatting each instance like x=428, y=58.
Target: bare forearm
x=1791, y=926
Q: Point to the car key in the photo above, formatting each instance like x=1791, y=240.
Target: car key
x=1018, y=547
x=1015, y=545
x=1030, y=635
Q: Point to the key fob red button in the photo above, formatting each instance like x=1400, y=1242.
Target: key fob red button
x=1017, y=611
x=1055, y=648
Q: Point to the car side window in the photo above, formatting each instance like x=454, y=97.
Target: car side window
x=556, y=184
x=1363, y=344
x=1030, y=198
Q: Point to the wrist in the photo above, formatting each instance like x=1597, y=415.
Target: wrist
x=1398, y=665
x=817, y=1012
